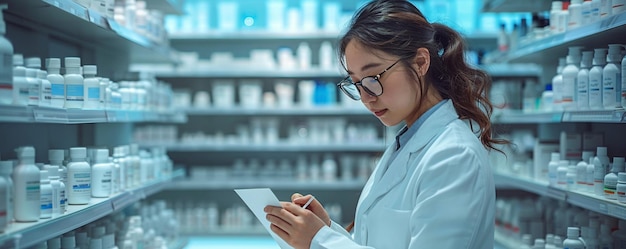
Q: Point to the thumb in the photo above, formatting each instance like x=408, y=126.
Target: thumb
x=295, y=196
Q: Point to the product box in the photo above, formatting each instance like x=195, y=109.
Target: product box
x=570, y=146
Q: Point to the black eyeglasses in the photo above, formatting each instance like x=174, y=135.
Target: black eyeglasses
x=370, y=84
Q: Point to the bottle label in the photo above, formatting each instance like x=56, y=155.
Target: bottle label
x=93, y=93
x=57, y=91
x=46, y=202
x=75, y=93
x=32, y=191
x=6, y=71
x=82, y=183
x=608, y=90
x=33, y=93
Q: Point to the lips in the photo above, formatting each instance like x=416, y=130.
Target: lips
x=380, y=112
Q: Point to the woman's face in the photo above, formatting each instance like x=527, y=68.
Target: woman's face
x=400, y=92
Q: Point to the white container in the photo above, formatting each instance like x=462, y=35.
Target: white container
x=601, y=165
x=561, y=174
x=223, y=92
x=6, y=67
x=74, y=85
x=553, y=166
x=332, y=16
x=6, y=170
x=539, y=244
x=309, y=15
x=227, y=15
x=4, y=203
x=595, y=79
x=33, y=86
x=46, y=195
x=58, y=191
x=101, y=174
x=92, y=87
x=618, y=6
x=78, y=177
x=611, y=179
x=250, y=93
x=304, y=56
x=119, y=158
x=611, y=78
x=45, y=90
x=590, y=176
x=57, y=82
x=557, y=6
x=20, y=84
x=586, y=12
x=573, y=241
x=582, y=93
x=575, y=14
x=276, y=15
x=605, y=8
x=27, y=193
x=135, y=165
x=557, y=86
x=581, y=171
x=621, y=187
x=326, y=56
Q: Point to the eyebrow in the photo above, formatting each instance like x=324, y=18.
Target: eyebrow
x=365, y=67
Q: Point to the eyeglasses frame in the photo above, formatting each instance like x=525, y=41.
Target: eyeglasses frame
x=367, y=90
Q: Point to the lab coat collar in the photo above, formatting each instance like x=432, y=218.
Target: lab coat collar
x=397, y=169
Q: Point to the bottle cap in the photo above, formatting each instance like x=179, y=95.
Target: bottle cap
x=56, y=155
x=621, y=177
x=96, y=243
x=78, y=152
x=44, y=176
x=98, y=232
x=54, y=242
x=68, y=242
x=619, y=162
x=53, y=63
x=573, y=232
x=573, y=55
x=615, y=53
x=18, y=60
x=587, y=57
x=540, y=243
x=90, y=69
x=599, y=56
x=25, y=152
x=134, y=149
x=557, y=5
x=33, y=62
x=53, y=171
x=72, y=62
x=101, y=156
x=601, y=151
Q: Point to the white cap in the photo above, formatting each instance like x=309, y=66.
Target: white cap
x=576, y=2
x=98, y=232
x=573, y=55
x=621, y=177
x=587, y=57
x=33, y=62
x=53, y=63
x=101, y=156
x=18, y=60
x=72, y=62
x=108, y=241
x=557, y=5
x=558, y=242
x=618, y=164
x=44, y=176
x=549, y=238
x=601, y=151
x=527, y=239
x=540, y=243
x=599, y=56
x=90, y=69
x=134, y=149
x=54, y=243
x=53, y=171
x=56, y=155
x=95, y=243
x=25, y=152
x=6, y=167
x=573, y=232
x=78, y=152
x=615, y=53
x=68, y=241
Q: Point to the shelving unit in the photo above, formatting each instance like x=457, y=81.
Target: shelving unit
x=278, y=147
x=282, y=184
x=591, y=116
x=34, y=114
x=249, y=73
x=279, y=111
x=32, y=233
x=515, y=6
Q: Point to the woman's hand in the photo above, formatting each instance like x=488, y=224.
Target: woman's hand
x=295, y=225
x=315, y=206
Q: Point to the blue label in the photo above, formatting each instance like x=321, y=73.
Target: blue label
x=58, y=89
x=93, y=93
x=46, y=206
x=75, y=91
x=81, y=186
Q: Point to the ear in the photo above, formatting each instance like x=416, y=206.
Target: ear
x=422, y=60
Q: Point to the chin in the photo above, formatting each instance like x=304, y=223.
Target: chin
x=388, y=122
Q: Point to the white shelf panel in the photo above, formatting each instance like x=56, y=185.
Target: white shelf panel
x=584, y=200
x=282, y=184
x=595, y=35
x=278, y=111
x=279, y=147
x=34, y=114
x=512, y=70
x=591, y=116
x=76, y=216
x=88, y=26
x=250, y=73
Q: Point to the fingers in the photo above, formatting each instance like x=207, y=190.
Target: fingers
x=301, y=200
x=295, y=196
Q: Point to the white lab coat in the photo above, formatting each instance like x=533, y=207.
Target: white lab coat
x=437, y=193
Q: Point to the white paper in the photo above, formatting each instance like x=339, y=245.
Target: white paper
x=256, y=199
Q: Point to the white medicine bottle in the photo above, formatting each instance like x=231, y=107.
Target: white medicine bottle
x=610, y=180
x=601, y=165
x=45, y=89
x=20, y=84
x=101, y=174
x=78, y=177
x=33, y=86
x=581, y=171
x=621, y=187
x=57, y=82
x=553, y=166
x=572, y=241
x=611, y=78
x=582, y=96
x=4, y=205
x=58, y=191
x=27, y=182
x=92, y=87
x=6, y=67
x=74, y=85
x=570, y=77
x=46, y=195
x=595, y=78
x=6, y=169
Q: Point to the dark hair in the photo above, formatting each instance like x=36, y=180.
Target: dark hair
x=398, y=28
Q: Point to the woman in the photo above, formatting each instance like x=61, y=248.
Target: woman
x=433, y=187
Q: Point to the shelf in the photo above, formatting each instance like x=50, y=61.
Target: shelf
x=249, y=72
x=278, y=147
x=512, y=70
x=87, y=26
x=591, y=116
x=254, y=35
x=79, y=215
x=516, y=6
x=167, y=7
x=34, y=114
x=277, y=111
x=282, y=184
x=595, y=35
x=576, y=198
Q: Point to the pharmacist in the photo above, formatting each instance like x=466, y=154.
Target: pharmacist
x=433, y=187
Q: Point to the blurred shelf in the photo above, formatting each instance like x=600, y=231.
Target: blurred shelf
x=512, y=70
x=516, y=6
x=167, y=7
x=76, y=216
x=238, y=239
x=227, y=232
x=268, y=147
x=504, y=242
x=255, y=35
x=34, y=114
x=584, y=200
x=590, y=116
x=595, y=35
x=88, y=26
x=275, y=184
x=250, y=72
x=180, y=243
x=278, y=111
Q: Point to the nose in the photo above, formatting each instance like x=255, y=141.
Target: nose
x=365, y=97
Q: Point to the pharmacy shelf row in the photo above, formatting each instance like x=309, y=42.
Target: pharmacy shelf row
x=334, y=110
x=377, y=146
x=224, y=184
x=495, y=70
x=88, y=26
x=31, y=233
x=515, y=6
x=504, y=242
x=595, y=35
x=587, y=201
x=30, y=114
x=590, y=116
